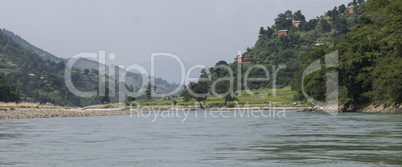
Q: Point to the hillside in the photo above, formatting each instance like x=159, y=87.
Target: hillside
x=81, y=64
x=370, y=61
x=291, y=37
x=29, y=46
x=40, y=79
x=25, y=70
x=272, y=49
x=366, y=35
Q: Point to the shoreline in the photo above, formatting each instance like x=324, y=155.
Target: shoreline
x=26, y=113
x=170, y=108
x=368, y=108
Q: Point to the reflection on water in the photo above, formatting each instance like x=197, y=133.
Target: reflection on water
x=305, y=139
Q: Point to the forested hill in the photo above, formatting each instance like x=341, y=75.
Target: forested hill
x=42, y=80
x=273, y=49
x=29, y=46
x=81, y=64
x=367, y=35
x=370, y=59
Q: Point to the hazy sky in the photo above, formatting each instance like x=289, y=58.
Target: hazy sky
x=200, y=32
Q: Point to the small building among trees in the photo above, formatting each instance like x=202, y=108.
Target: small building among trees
x=43, y=76
x=282, y=33
x=245, y=59
x=350, y=9
x=318, y=44
x=296, y=23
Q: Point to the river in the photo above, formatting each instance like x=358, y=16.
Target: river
x=296, y=139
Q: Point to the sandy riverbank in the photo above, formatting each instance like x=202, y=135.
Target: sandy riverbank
x=23, y=113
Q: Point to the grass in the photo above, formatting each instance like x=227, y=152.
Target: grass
x=260, y=98
x=284, y=97
x=111, y=105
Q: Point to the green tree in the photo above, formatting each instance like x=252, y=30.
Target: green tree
x=230, y=98
x=8, y=92
x=129, y=100
x=284, y=20
x=103, y=99
x=199, y=92
x=314, y=83
x=335, y=13
x=310, y=25
x=325, y=27
x=341, y=25
x=149, y=90
x=223, y=88
x=262, y=31
x=329, y=13
x=298, y=16
x=342, y=8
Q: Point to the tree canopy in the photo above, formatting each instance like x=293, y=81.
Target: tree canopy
x=370, y=61
x=8, y=92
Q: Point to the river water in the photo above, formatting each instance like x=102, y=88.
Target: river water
x=295, y=139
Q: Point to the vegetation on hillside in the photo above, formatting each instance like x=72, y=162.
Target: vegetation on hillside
x=368, y=40
x=19, y=40
x=8, y=92
x=370, y=61
x=257, y=98
x=39, y=79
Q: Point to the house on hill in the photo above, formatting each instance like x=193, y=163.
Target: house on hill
x=296, y=23
x=318, y=44
x=245, y=59
x=350, y=9
x=282, y=33
x=43, y=76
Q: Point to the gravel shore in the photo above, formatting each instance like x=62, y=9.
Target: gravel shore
x=23, y=113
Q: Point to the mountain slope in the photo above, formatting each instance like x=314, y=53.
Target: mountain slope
x=42, y=80
x=81, y=64
x=284, y=44
x=26, y=70
x=366, y=35
x=370, y=61
x=29, y=46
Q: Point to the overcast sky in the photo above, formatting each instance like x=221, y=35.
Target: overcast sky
x=200, y=32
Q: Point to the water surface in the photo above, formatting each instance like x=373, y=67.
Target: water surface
x=300, y=139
